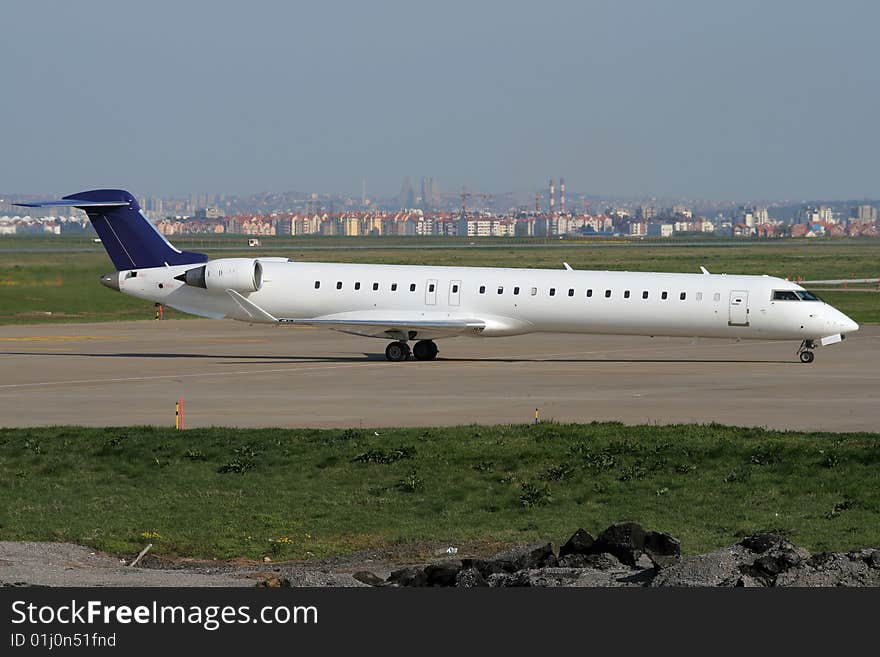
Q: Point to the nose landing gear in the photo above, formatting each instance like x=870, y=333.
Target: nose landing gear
x=805, y=352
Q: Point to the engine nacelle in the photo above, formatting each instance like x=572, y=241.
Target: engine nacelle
x=239, y=274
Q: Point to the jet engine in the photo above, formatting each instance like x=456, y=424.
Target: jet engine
x=239, y=274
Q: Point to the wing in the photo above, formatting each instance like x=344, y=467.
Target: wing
x=408, y=326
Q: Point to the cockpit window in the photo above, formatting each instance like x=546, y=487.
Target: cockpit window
x=807, y=296
x=785, y=295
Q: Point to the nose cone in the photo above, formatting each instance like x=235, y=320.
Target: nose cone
x=849, y=326
x=843, y=323
x=111, y=281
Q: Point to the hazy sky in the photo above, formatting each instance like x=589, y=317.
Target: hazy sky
x=741, y=99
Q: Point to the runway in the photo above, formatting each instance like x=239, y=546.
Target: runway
x=229, y=373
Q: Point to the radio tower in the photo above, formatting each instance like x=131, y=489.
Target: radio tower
x=562, y=195
x=552, y=196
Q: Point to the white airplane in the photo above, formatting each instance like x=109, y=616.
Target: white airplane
x=427, y=303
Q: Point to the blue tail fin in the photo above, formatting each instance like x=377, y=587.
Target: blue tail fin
x=132, y=242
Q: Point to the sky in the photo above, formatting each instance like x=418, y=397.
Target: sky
x=752, y=99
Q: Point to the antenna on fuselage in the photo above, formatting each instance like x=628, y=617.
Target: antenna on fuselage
x=705, y=271
x=567, y=266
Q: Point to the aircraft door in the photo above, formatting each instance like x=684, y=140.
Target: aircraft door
x=739, y=308
x=454, y=293
x=431, y=292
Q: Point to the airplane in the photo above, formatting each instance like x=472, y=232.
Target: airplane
x=422, y=304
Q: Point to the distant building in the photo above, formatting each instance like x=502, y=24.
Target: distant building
x=407, y=197
x=646, y=212
x=430, y=193
x=209, y=213
x=864, y=214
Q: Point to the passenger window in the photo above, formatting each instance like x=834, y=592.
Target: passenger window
x=357, y=286
x=338, y=285
x=534, y=291
x=682, y=296
x=664, y=295
x=375, y=286
x=699, y=296
x=454, y=289
x=515, y=291
x=431, y=287
x=552, y=291
x=716, y=296
x=317, y=284
x=412, y=287
x=626, y=294
x=571, y=291
x=394, y=287
x=645, y=294
x=482, y=289
x=500, y=289
x=589, y=293
x=607, y=294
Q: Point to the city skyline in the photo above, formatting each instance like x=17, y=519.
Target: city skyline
x=678, y=100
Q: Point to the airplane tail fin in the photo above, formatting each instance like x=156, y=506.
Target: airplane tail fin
x=131, y=241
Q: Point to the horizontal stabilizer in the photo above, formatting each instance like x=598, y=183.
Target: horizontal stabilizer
x=131, y=240
x=73, y=203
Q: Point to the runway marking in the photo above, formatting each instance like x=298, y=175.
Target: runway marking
x=175, y=376
x=60, y=338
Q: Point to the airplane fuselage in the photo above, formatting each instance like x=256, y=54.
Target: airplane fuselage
x=508, y=301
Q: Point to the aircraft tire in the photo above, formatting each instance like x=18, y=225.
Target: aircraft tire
x=397, y=351
x=425, y=350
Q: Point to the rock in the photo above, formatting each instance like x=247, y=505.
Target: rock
x=832, y=569
x=758, y=560
x=470, y=578
x=718, y=568
x=542, y=577
x=409, y=576
x=538, y=555
x=499, y=579
x=776, y=556
x=591, y=561
x=760, y=543
x=366, y=577
x=274, y=582
x=870, y=556
x=485, y=567
x=625, y=540
x=662, y=549
x=442, y=574
x=579, y=543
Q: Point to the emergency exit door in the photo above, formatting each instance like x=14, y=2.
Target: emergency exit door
x=739, y=308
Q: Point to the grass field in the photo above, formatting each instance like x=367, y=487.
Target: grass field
x=43, y=286
x=229, y=493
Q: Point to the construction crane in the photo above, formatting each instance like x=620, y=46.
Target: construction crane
x=465, y=195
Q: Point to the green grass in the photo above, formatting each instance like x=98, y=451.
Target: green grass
x=229, y=493
x=34, y=284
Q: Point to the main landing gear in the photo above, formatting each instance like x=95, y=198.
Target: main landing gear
x=805, y=352
x=399, y=351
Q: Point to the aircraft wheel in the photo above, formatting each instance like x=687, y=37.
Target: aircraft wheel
x=397, y=351
x=807, y=356
x=425, y=350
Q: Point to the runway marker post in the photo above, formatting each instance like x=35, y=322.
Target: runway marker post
x=179, y=422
